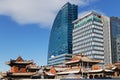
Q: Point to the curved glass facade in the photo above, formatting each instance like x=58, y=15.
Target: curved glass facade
x=60, y=42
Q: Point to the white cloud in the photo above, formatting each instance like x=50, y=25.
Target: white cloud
x=40, y=12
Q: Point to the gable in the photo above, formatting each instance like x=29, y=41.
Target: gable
x=19, y=59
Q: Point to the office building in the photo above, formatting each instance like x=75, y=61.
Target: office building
x=107, y=40
x=115, y=36
x=88, y=36
x=60, y=42
x=111, y=40
x=97, y=36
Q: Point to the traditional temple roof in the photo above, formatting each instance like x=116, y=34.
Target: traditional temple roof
x=50, y=74
x=74, y=70
x=118, y=63
x=73, y=76
x=14, y=62
x=58, y=68
x=23, y=74
x=113, y=66
x=33, y=66
x=19, y=60
x=82, y=58
x=100, y=70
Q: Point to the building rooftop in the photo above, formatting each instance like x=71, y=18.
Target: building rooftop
x=23, y=74
x=68, y=71
x=85, y=15
x=100, y=70
x=81, y=58
x=19, y=60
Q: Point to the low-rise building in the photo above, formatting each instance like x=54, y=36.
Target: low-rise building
x=21, y=68
x=80, y=66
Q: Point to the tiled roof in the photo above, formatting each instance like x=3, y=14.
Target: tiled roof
x=60, y=69
x=34, y=67
x=78, y=58
x=50, y=74
x=76, y=70
x=23, y=74
x=19, y=58
x=24, y=62
x=100, y=70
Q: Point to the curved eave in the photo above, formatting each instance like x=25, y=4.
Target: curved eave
x=9, y=63
x=34, y=68
x=22, y=74
x=100, y=70
x=70, y=62
x=69, y=71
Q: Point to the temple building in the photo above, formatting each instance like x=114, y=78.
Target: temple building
x=81, y=66
x=21, y=69
x=77, y=67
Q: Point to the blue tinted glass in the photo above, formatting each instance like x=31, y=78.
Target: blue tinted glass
x=61, y=33
x=115, y=32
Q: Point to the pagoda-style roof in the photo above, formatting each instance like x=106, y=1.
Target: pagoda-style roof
x=49, y=74
x=70, y=70
x=117, y=65
x=14, y=62
x=19, y=60
x=33, y=66
x=67, y=70
x=100, y=70
x=60, y=68
x=22, y=74
x=81, y=58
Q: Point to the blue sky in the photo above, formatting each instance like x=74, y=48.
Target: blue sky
x=25, y=26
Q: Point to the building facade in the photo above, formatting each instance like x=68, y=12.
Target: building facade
x=82, y=67
x=21, y=69
x=60, y=42
x=115, y=36
x=88, y=36
x=107, y=40
x=118, y=48
x=97, y=36
x=111, y=40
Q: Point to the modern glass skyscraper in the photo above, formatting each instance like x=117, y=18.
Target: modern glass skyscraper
x=115, y=36
x=60, y=43
x=112, y=40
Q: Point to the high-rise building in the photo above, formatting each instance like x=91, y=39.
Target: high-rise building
x=107, y=40
x=111, y=40
x=60, y=43
x=88, y=36
x=97, y=36
x=118, y=49
x=115, y=36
